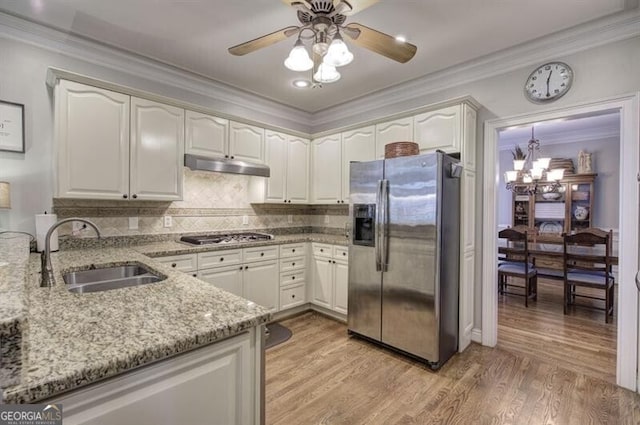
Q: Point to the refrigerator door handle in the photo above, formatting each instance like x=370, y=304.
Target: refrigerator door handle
x=377, y=240
x=385, y=226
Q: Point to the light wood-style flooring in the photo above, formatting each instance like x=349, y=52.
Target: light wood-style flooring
x=323, y=376
x=580, y=341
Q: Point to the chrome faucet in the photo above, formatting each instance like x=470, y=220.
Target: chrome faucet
x=47, y=271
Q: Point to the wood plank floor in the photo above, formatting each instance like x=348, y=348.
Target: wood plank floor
x=323, y=376
x=580, y=341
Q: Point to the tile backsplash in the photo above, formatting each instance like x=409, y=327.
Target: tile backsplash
x=211, y=202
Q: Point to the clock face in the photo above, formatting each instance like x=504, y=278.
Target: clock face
x=549, y=82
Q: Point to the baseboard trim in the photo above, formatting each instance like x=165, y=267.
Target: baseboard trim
x=476, y=335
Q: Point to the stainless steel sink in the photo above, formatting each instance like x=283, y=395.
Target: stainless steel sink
x=109, y=277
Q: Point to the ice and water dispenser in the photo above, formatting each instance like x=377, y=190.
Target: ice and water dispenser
x=364, y=224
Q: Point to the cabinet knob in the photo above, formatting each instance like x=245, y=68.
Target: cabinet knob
x=285, y=201
x=226, y=156
x=173, y=264
x=289, y=201
x=232, y=157
x=125, y=196
x=293, y=250
x=329, y=261
x=293, y=264
x=338, y=201
x=344, y=253
x=240, y=267
x=333, y=262
x=195, y=275
x=293, y=278
x=246, y=267
x=135, y=196
x=221, y=258
x=321, y=250
x=293, y=296
x=262, y=254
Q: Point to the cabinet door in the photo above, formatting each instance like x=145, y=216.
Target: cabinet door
x=439, y=129
x=341, y=286
x=357, y=145
x=326, y=174
x=206, y=135
x=246, y=142
x=298, y=170
x=92, y=137
x=393, y=131
x=261, y=283
x=228, y=278
x=276, y=159
x=157, y=149
x=322, y=282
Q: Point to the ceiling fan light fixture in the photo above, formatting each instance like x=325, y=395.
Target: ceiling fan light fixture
x=326, y=74
x=338, y=53
x=298, y=59
x=301, y=84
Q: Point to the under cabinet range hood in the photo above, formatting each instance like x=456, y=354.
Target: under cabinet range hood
x=225, y=165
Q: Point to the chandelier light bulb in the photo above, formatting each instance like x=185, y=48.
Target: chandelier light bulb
x=544, y=162
x=338, y=53
x=298, y=59
x=326, y=74
x=510, y=176
x=518, y=164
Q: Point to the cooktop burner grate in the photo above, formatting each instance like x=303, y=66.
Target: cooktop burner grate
x=225, y=238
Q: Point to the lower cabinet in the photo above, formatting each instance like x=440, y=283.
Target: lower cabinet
x=293, y=271
x=261, y=284
x=228, y=278
x=330, y=277
x=215, y=384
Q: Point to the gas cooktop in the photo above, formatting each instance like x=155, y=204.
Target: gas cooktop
x=225, y=238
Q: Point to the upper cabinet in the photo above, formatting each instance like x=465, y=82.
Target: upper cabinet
x=438, y=129
x=393, y=131
x=246, y=142
x=206, y=135
x=112, y=146
x=357, y=145
x=326, y=176
x=288, y=159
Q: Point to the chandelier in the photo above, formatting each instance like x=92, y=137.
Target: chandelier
x=530, y=174
x=329, y=52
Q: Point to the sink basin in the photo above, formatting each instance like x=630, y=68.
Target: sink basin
x=109, y=277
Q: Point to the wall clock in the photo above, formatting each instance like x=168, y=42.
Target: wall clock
x=548, y=82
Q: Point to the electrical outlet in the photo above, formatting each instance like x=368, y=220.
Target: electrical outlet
x=168, y=221
x=289, y=218
x=326, y=219
x=76, y=227
x=133, y=223
x=245, y=220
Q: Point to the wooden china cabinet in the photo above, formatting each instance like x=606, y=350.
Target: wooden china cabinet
x=566, y=210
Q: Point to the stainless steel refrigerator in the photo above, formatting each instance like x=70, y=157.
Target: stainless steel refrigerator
x=404, y=254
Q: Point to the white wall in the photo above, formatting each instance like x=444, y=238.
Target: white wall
x=601, y=72
x=606, y=159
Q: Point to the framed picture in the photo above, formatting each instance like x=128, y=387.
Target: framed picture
x=11, y=127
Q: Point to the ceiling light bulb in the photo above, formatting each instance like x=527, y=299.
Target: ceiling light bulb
x=326, y=74
x=301, y=83
x=338, y=53
x=298, y=59
x=401, y=38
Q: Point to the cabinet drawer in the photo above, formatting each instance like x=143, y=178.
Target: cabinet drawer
x=219, y=258
x=184, y=263
x=322, y=250
x=291, y=277
x=293, y=263
x=260, y=253
x=340, y=252
x=291, y=250
x=292, y=295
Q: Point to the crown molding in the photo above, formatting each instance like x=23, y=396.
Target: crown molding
x=54, y=40
x=582, y=37
x=565, y=137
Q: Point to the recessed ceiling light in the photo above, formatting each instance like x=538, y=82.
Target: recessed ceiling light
x=401, y=38
x=301, y=84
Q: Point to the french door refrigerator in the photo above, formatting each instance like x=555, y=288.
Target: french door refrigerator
x=404, y=254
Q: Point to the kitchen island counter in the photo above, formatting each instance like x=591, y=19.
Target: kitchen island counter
x=72, y=340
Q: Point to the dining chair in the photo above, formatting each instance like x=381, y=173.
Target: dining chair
x=587, y=263
x=514, y=262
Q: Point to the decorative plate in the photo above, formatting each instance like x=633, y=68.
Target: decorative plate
x=551, y=227
x=551, y=196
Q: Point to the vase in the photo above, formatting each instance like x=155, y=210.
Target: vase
x=581, y=213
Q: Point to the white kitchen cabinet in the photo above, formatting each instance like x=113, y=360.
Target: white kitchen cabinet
x=399, y=130
x=440, y=129
x=293, y=272
x=330, y=277
x=326, y=168
x=92, y=140
x=261, y=284
x=357, y=145
x=186, y=263
x=215, y=384
x=246, y=142
x=156, y=151
x=206, y=135
x=113, y=146
x=288, y=159
x=228, y=278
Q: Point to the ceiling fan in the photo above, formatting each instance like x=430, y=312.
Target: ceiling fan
x=321, y=24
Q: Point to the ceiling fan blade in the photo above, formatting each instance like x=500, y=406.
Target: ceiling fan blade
x=264, y=41
x=354, y=6
x=303, y=3
x=380, y=42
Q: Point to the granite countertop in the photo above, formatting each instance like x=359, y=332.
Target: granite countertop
x=165, y=248
x=75, y=339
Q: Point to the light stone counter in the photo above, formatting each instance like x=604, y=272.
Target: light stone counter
x=73, y=340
